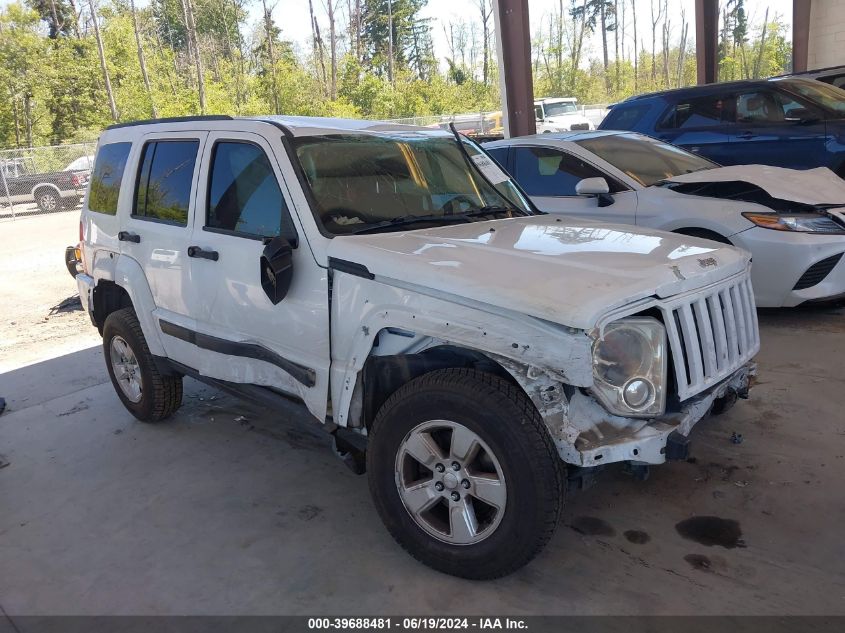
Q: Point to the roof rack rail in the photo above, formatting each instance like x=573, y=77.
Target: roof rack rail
x=174, y=119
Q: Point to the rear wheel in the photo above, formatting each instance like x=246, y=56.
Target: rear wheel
x=464, y=474
x=148, y=394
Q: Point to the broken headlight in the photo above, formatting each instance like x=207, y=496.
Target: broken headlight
x=629, y=367
x=802, y=223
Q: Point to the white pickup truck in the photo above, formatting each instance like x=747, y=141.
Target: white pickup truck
x=467, y=350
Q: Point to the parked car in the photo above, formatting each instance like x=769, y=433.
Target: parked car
x=790, y=122
x=834, y=75
x=792, y=222
x=83, y=163
x=50, y=191
x=559, y=114
x=395, y=281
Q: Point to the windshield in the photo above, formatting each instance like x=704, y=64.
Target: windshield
x=643, y=158
x=557, y=109
x=828, y=97
x=363, y=180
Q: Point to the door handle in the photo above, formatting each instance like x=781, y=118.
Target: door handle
x=197, y=251
x=126, y=236
x=745, y=135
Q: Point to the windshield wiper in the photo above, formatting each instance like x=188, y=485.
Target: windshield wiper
x=447, y=218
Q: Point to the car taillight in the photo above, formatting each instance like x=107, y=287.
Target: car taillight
x=81, y=249
x=75, y=180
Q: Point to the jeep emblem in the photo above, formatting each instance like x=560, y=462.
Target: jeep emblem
x=707, y=262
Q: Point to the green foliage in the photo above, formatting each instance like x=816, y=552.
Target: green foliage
x=52, y=89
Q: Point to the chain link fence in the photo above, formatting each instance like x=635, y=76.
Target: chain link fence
x=36, y=180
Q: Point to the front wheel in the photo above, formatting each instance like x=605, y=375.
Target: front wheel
x=464, y=474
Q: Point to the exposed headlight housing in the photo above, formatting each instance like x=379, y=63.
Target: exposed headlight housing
x=629, y=367
x=799, y=222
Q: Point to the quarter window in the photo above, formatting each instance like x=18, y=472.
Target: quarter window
x=107, y=176
x=243, y=193
x=702, y=112
x=164, y=181
x=547, y=172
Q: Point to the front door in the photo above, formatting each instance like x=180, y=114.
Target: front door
x=166, y=168
x=549, y=175
x=246, y=338
x=774, y=129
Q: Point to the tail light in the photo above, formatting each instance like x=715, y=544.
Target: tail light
x=75, y=180
x=80, y=249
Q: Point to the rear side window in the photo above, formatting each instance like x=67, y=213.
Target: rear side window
x=164, y=181
x=107, y=176
x=624, y=117
x=243, y=193
x=707, y=111
x=500, y=154
x=548, y=172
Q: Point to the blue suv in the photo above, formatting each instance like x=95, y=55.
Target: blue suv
x=787, y=122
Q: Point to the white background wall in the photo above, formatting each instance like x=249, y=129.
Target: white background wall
x=827, y=34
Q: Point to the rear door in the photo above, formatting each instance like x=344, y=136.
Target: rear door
x=701, y=125
x=157, y=232
x=772, y=128
x=242, y=335
x=549, y=175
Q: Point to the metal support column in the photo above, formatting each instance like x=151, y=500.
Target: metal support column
x=513, y=45
x=800, y=34
x=707, y=39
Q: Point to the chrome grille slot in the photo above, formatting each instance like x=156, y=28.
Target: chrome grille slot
x=711, y=336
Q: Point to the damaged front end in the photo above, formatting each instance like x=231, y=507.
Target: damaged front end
x=654, y=378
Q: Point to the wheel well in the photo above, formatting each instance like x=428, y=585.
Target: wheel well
x=108, y=297
x=706, y=234
x=382, y=376
x=44, y=186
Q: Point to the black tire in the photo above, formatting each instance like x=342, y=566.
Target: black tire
x=502, y=416
x=161, y=395
x=704, y=234
x=47, y=200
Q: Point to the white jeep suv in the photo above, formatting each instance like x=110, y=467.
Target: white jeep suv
x=467, y=351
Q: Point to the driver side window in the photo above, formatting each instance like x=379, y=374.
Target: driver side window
x=543, y=171
x=243, y=194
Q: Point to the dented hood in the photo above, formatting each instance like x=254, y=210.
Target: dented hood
x=565, y=270
x=809, y=186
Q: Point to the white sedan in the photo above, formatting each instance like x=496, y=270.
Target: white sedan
x=792, y=222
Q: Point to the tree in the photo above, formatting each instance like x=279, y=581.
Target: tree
x=102, y=54
x=141, y=60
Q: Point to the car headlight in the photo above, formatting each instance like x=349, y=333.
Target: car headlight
x=803, y=223
x=629, y=367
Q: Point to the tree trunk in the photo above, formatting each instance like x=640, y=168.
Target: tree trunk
x=484, y=7
x=759, y=62
x=390, y=40
x=271, y=53
x=192, y=34
x=636, y=47
x=189, y=43
x=333, y=48
x=103, y=67
x=141, y=59
x=616, y=40
x=27, y=115
x=603, y=16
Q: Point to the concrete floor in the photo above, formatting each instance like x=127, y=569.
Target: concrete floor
x=226, y=510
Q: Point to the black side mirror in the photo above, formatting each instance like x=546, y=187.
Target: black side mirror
x=276, y=268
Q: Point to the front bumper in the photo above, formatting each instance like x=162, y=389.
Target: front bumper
x=780, y=258
x=643, y=441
